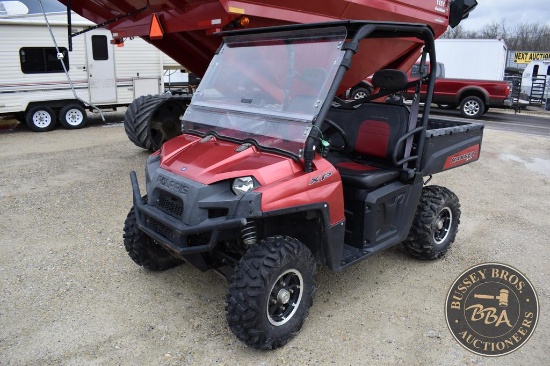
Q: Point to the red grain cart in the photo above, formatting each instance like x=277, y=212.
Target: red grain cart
x=187, y=31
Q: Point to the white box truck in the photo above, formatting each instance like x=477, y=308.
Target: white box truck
x=35, y=89
x=481, y=59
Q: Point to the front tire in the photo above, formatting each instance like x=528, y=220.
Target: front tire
x=143, y=250
x=435, y=223
x=40, y=118
x=73, y=116
x=472, y=107
x=270, y=293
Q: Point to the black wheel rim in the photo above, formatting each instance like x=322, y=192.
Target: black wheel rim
x=443, y=225
x=285, y=297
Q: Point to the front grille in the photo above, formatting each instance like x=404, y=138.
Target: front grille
x=173, y=206
x=160, y=229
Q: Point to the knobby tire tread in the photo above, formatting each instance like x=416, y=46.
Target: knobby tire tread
x=420, y=242
x=143, y=250
x=250, y=286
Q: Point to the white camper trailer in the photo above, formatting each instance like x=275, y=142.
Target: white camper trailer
x=33, y=84
x=535, y=81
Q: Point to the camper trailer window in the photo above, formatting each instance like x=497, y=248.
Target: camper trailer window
x=37, y=60
x=99, y=48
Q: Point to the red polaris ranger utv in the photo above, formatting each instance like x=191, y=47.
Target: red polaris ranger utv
x=273, y=175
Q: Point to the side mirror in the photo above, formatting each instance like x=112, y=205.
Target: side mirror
x=460, y=9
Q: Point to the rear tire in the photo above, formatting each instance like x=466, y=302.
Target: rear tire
x=73, y=116
x=270, y=293
x=150, y=120
x=435, y=223
x=472, y=107
x=40, y=118
x=143, y=250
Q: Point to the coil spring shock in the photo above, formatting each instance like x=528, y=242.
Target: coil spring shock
x=248, y=233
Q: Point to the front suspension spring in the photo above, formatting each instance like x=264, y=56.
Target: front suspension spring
x=248, y=233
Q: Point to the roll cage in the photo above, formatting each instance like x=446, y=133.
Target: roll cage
x=422, y=42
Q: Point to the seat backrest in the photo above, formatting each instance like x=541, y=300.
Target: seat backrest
x=390, y=79
x=373, y=129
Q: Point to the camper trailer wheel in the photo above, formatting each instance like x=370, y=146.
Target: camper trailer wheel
x=73, y=116
x=41, y=118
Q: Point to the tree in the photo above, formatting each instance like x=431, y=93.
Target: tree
x=524, y=36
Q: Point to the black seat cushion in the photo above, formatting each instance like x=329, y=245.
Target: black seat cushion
x=362, y=175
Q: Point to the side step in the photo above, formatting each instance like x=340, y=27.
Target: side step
x=353, y=254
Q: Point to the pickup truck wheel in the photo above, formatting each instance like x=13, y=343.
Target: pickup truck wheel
x=435, y=223
x=472, y=107
x=73, y=116
x=143, y=250
x=40, y=118
x=359, y=93
x=270, y=292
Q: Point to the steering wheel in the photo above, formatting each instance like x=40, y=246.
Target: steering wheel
x=342, y=134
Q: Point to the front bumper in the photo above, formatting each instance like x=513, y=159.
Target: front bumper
x=173, y=234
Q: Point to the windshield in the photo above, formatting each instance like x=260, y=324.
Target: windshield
x=267, y=87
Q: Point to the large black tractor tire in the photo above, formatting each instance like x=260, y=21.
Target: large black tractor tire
x=143, y=250
x=270, y=292
x=435, y=223
x=151, y=120
x=472, y=107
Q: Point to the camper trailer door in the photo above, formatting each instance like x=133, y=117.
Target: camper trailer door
x=101, y=67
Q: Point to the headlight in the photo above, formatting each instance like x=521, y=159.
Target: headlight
x=244, y=185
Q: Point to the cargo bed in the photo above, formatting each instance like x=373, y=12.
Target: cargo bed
x=450, y=144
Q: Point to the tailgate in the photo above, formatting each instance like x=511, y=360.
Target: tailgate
x=450, y=144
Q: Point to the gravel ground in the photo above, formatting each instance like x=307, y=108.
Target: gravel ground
x=70, y=295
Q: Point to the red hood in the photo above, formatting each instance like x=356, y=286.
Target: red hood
x=212, y=160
